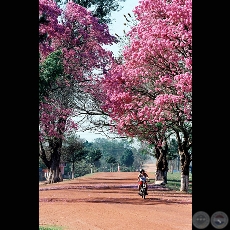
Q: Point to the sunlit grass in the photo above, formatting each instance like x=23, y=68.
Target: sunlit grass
x=174, y=181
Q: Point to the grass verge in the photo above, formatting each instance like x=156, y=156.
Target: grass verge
x=174, y=181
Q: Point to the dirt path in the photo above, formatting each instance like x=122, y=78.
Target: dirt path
x=109, y=201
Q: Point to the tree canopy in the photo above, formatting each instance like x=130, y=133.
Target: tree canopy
x=153, y=84
x=100, y=8
x=147, y=94
x=71, y=60
x=70, y=54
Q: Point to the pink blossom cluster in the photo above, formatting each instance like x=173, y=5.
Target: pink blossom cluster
x=51, y=28
x=154, y=82
x=80, y=37
x=55, y=120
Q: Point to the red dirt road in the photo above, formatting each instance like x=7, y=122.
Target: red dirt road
x=109, y=201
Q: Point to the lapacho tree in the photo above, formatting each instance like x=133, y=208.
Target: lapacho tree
x=153, y=83
x=78, y=38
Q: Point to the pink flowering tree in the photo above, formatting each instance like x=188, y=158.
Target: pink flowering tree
x=100, y=8
x=71, y=56
x=153, y=84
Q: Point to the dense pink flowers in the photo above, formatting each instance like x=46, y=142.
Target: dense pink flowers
x=80, y=38
x=154, y=82
x=49, y=27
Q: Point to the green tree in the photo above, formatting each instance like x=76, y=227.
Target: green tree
x=93, y=156
x=127, y=158
x=111, y=161
x=114, y=149
x=62, y=94
x=49, y=71
x=73, y=151
x=140, y=156
x=172, y=154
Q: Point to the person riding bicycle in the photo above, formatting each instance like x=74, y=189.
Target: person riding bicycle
x=140, y=181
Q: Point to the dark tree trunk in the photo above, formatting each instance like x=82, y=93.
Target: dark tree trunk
x=53, y=165
x=72, y=172
x=185, y=160
x=161, y=165
x=54, y=170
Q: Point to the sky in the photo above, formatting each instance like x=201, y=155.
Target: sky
x=116, y=27
x=119, y=20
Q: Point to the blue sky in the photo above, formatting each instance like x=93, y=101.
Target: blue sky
x=119, y=20
x=117, y=27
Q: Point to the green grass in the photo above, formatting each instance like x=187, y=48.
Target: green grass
x=50, y=228
x=174, y=180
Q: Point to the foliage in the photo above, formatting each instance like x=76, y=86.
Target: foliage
x=100, y=8
x=173, y=149
x=127, y=158
x=94, y=155
x=77, y=35
x=103, y=154
x=139, y=158
x=82, y=168
x=73, y=150
x=71, y=59
x=49, y=71
x=111, y=160
x=109, y=148
x=149, y=92
x=113, y=147
x=81, y=154
x=147, y=95
x=173, y=182
x=153, y=84
x=112, y=151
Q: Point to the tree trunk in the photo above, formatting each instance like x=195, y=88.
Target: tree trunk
x=185, y=160
x=72, y=172
x=161, y=165
x=159, y=174
x=184, y=183
x=55, y=144
x=54, y=173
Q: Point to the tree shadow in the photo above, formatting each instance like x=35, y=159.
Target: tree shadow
x=122, y=200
